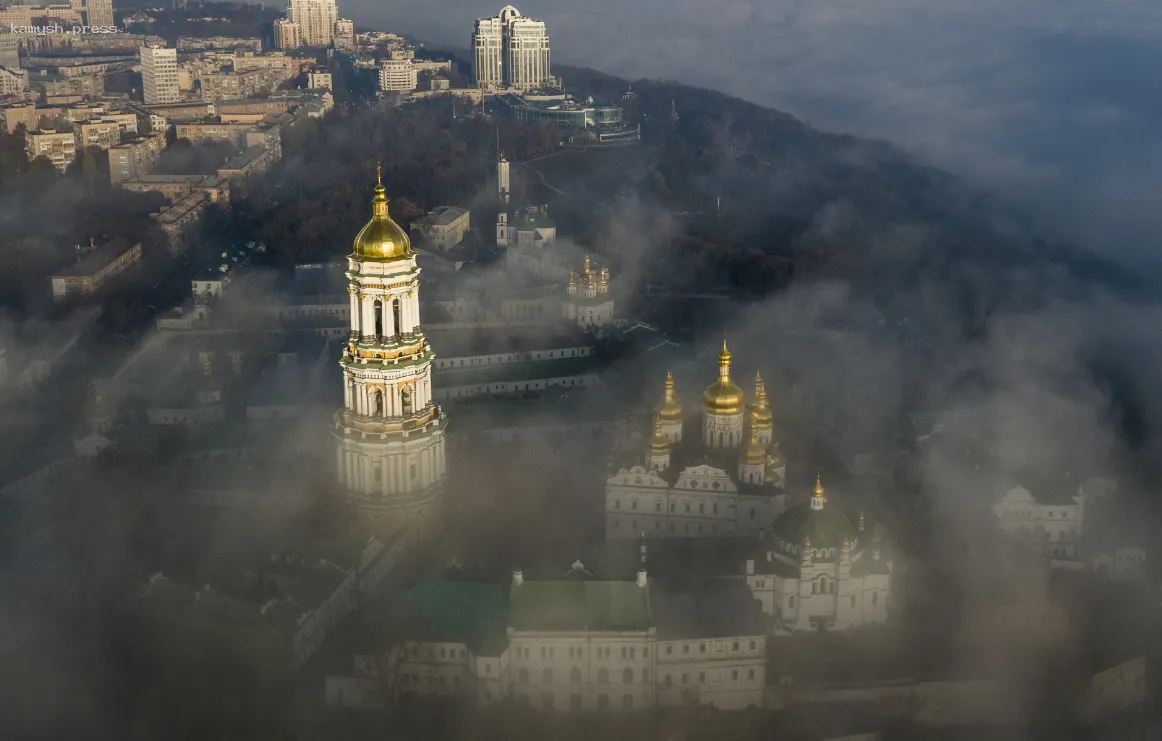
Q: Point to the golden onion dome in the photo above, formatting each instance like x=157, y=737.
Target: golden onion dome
x=754, y=453
x=670, y=410
x=381, y=239
x=723, y=396
x=659, y=445
x=762, y=418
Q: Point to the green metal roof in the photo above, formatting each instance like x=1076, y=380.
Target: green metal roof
x=827, y=527
x=472, y=613
x=580, y=606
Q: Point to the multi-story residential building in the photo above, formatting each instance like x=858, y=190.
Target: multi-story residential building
x=57, y=85
x=444, y=226
x=397, y=73
x=99, y=134
x=20, y=115
x=344, y=34
x=177, y=220
x=511, y=51
x=98, y=12
x=287, y=34
x=159, y=75
x=135, y=158
x=319, y=80
x=13, y=80
x=315, y=18
x=59, y=147
x=127, y=121
x=92, y=271
x=176, y=187
x=9, y=50
x=233, y=84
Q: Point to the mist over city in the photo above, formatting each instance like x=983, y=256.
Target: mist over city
x=470, y=373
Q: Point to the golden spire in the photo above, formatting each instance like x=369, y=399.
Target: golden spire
x=670, y=410
x=381, y=239
x=587, y=264
x=861, y=519
x=762, y=418
x=379, y=173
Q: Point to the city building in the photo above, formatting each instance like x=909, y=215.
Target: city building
x=98, y=12
x=177, y=219
x=319, y=80
x=159, y=75
x=316, y=20
x=9, y=50
x=92, y=271
x=602, y=123
x=176, y=187
x=587, y=301
x=344, y=34
x=99, y=134
x=511, y=51
x=574, y=643
x=397, y=72
x=390, y=432
x=135, y=158
x=443, y=227
x=725, y=479
x=287, y=34
x=13, y=80
x=20, y=115
x=59, y=147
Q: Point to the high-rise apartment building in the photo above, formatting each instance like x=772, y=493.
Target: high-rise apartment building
x=98, y=12
x=9, y=50
x=287, y=34
x=316, y=19
x=510, y=50
x=159, y=74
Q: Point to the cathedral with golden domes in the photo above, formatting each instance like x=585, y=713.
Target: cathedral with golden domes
x=390, y=434
x=716, y=473
x=587, y=300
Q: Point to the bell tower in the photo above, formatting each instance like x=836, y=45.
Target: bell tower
x=389, y=433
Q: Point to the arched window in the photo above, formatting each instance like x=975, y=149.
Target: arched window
x=405, y=401
x=720, y=439
x=575, y=676
x=602, y=676
x=378, y=318
x=627, y=676
x=379, y=403
x=522, y=677
x=875, y=598
x=547, y=676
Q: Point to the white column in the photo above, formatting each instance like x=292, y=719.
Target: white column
x=368, y=328
x=347, y=393
x=388, y=317
x=354, y=318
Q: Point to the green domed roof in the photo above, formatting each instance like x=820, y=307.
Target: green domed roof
x=826, y=526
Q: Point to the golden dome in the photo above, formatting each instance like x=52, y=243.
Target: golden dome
x=723, y=396
x=775, y=458
x=381, y=239
x=753, y=453
x=762, y=419
x=659, y=445
x=670, y=410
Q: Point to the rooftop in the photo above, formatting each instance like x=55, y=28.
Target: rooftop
x=710, y=610
x=243, y=158
x=96, y=260
x=472, y=613
x=580, y=605
x=516, y=372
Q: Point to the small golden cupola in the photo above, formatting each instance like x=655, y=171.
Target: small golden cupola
x=381, y=239
x=723, y=397
x=670, y=410
x=754, y=453
x=658, y=452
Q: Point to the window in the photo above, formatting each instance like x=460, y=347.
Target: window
x=734, y=646
x=575, y=676
x=488, y=668
x=617, y=504
x=657, y=506
x=627, y=676
x=875, y=600
x=853, y=600
x=701, y=508
x=627, y=702
x=687, y=508
x=752, y=645
x=672, y=505
x=645, y=675
x=734, y=675
x=623, y=652
x=669, y=681
x=701, y=677
x=790, y=604
x=631, y=652
x=701, y=648
x=441, y=653
x=602, y=675
x=522, y=677
x=685, y=648
x=669, y=650
x=646, y=652
x=633, y=504
x=715, y=508
x=544, y=653
x=750, y=674
x=685, y=679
